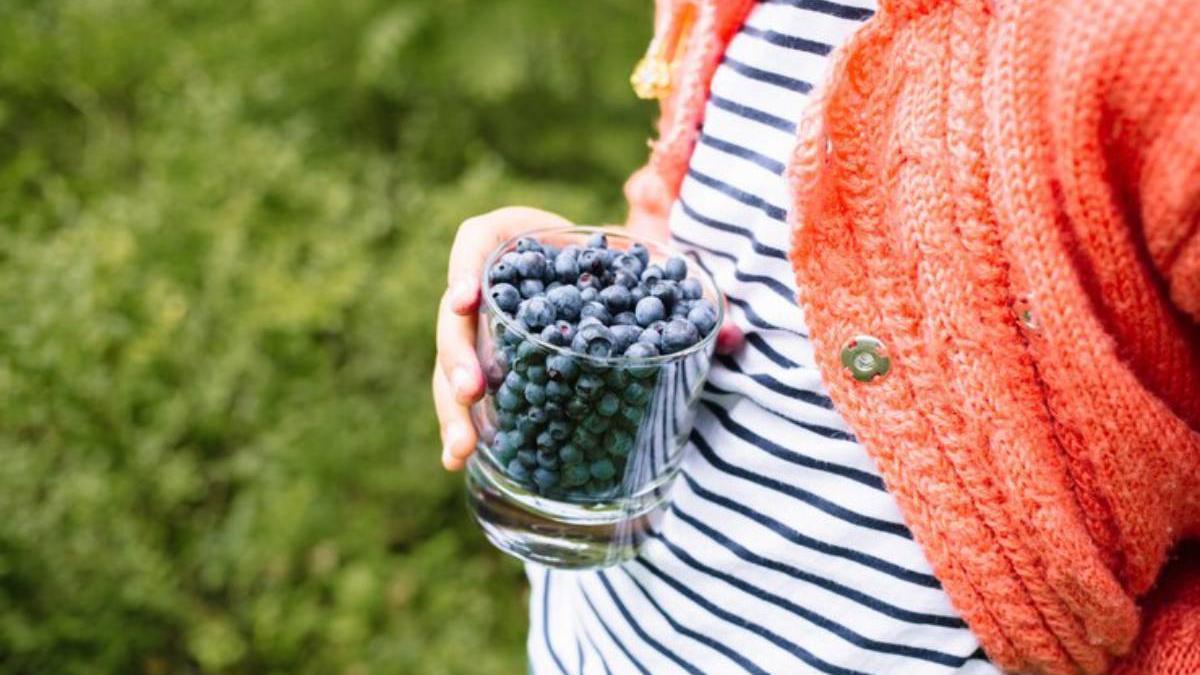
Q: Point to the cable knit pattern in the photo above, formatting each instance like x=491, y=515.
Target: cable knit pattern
x=972, y=161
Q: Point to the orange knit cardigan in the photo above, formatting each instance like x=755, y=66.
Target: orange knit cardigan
x=1006, y=193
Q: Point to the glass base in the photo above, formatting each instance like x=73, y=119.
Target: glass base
x=554, y=533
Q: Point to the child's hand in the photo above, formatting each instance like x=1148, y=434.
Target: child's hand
x=458, y=377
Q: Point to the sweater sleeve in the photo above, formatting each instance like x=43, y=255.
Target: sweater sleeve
x=1170, y=640
x=1150, y=119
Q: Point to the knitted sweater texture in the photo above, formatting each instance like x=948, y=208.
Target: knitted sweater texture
x=1007, y=195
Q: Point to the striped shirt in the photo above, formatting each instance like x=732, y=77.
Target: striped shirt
x=781, y=550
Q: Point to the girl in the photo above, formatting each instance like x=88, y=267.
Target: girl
x=961, y=239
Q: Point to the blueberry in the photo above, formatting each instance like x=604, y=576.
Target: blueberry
x=545, y=478
x=537, y=313
x=625, y=319
x=591, y=261
x=608, y=256
x=506, y=297
x=567, y=302
x=649, y=310
x=597, y=240
x=502, y=272
x=641, y=350
x=589, y=294
x=518, y=471
x=527, y=457
x=559, y=431
x=566, y=267
x=536, y=374
x=703, y=317
x=651, y=337
x=594, y=340
x=558, y=391
x=637, y=293
x=625, y=279
x=588, y=280
x=531, y=288
x=608, y=405
x=528, y=244
x=679, y=335
x=597, y=310
x=575, y=474
x=508, y=399
x=675, y=269
x=511, y=259
x=665, y=291
x=550, y=251
x=515, y=382
x=507, y=444
x=554, y=410
x=545, y=442
x=536, y=416
x=635, y=393
x=639, y=251
x=531, y=265
x=584, y=439
x=595, y=488
x=569, y=454
x=589, y=385
x=630, y=264
x=652, y=274
x=506, y=420
x=595, y=423
x=528, y=352
x=624, y=335
x=691, y=289
x=577, y=409
x=527, y=427
x=535, y=393
x=559, y=333
x=551, y=335
x=633, y=413
x=618, y=442
x=512, y=338
x=616, y=379
x=547, y=460
x=562, y=367
x=602, y=469
x=616, y=298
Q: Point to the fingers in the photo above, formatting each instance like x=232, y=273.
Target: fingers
x=477, y=237
x=729, y=338
x=454, y=419
x=456, y=353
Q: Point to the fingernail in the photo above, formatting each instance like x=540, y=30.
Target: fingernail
x=463, y=381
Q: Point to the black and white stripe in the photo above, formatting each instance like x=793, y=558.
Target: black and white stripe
x=782, y=551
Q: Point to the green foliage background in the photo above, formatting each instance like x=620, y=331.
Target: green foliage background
x=222, y=234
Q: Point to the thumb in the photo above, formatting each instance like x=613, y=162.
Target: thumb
x=729, y=338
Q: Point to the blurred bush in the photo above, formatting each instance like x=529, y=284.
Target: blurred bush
x=222, y=234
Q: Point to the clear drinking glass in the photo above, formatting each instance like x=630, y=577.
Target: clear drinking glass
x=624, y=419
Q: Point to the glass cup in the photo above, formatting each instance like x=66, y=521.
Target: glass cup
x=611, y=430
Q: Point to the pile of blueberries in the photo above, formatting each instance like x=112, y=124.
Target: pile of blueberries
x=566, y=425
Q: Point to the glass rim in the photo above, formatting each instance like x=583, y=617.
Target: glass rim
x=510, y=324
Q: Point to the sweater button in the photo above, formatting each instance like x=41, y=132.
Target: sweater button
x=866, y=358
